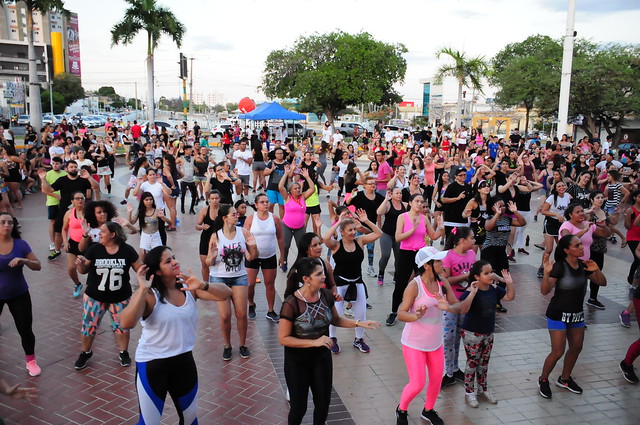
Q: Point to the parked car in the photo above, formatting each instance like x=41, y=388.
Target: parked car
x=49, y=119
x=219, y=129
x=347, y=128
x=24, y=119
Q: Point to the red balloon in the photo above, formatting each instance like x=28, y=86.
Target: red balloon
x=246, y=105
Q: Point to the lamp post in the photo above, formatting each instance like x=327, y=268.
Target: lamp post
x=567, y=60
x=45, y=58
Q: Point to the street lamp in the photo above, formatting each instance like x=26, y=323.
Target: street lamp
x=45, y=59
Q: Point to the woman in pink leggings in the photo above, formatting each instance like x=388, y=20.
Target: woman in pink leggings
x=424, y=299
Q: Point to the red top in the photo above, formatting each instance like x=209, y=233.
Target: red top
x=633, y=234
x=136, y=130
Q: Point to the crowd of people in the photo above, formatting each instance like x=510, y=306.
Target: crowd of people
x=451, y=206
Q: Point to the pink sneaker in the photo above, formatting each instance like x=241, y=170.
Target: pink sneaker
x=33, y=368
x=380, y=281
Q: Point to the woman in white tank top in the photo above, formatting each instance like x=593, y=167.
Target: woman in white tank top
x=169, y=320
x=267, y=230
x=229, y=246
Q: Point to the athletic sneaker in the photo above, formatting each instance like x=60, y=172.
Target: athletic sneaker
x=569, y=384
x=380, y=281
x=488, y=395
x=459, y=375
x=371, y=272
x=284, y=267
x=391, y=319
x=432, y=417
x=244, y=352
x=595, y=303
x=125, y=359
x=52, y=247
x=252, y=312
x=545, y=388
x=447, y=381
x=627, y=371
x=123, y=202
x=402, y=417
x=273, y=316
x=81, y=363
x=77, y=290
x=335, y=348
x=361, y=345
x=369, y=306
x=540, y=273
x=348, y=312
x=54, y=254
x=34, y=369
x=470, y=399
x=226, y=354
x=625, y=319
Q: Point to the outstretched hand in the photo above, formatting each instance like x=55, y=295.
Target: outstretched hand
x=142, y=278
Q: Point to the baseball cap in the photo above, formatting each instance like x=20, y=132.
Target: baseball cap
x=428, y=253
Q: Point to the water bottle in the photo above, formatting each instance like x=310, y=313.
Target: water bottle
x=526, y=242
x=177, y=222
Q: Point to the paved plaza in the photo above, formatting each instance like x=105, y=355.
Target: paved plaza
x=367, y=386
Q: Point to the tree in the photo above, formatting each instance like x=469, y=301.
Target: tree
x=69, y=87
x=44, y=7
x=218, y=108
x=468, y=72
x=106, y=91
x=335, y=70
x=527, y=74
x=231, y=106
x=155, y=20
x=59, y=104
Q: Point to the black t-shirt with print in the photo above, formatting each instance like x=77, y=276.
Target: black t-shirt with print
x=453, y=211
x=569, y=291
x=108, y=277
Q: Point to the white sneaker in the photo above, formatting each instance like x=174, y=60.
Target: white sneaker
x=371, y=272
x=52, y=247
x=348, y=312
x=470, y=399
x=488, y=395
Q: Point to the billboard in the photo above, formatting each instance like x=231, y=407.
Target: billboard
x=73, y=46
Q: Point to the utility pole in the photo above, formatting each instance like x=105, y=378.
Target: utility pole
x=136, y=97
x=191, y=89
x=567, y=61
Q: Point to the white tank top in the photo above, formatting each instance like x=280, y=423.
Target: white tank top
x=424, y=334
x=230, y=259
x=169, y=330
x=265, y=233
x=7, y=135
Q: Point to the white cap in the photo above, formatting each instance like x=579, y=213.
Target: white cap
x=427, y=254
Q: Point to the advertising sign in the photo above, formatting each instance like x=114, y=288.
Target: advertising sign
x=73, y=46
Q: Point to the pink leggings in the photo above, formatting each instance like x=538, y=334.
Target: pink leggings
x=634, y=349
x=416, y=361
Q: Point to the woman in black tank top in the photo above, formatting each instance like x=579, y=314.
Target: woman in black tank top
x=391, y=208
x=206, y=218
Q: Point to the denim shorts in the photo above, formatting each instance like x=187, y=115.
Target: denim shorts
x=230, y=281
x=611, y=210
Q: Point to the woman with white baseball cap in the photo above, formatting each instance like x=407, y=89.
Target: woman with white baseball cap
x=424, y=300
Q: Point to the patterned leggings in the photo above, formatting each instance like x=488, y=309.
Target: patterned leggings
x=478, y=348
x=451, y=327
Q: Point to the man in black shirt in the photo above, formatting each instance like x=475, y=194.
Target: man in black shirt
x=73, y=182
x=455, y=198
x=515, y=139
x=369, y=201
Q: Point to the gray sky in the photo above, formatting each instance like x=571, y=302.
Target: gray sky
x=231, y=40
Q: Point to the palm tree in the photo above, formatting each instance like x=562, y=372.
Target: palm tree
x=44, y=7
x=156, y=20
x=468, y=72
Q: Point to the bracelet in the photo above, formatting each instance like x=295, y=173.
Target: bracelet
x=85, y=236
x=206, y=287
x=357, y=321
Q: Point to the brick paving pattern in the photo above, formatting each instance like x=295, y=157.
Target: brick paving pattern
x=366, y=386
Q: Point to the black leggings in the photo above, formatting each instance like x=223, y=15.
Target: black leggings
x=405, y=264
x=20, y=308
x=636, y=261
x=183, y=192
x=306, y=368
x=598, y=258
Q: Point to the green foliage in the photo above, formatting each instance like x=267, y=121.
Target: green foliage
x=335, y=70
x=44, y=6
x=148, y=16
x=173, y=104
x=467, y=71
x=106, y=91
x=59, y=104
x=69, y=87
x=218, y=108
x=231, y=106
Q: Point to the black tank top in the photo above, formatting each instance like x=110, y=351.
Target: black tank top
x=391, y=219
x=206, y=233
x=348, y=265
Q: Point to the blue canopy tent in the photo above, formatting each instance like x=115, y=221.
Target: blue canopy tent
x=272, y=111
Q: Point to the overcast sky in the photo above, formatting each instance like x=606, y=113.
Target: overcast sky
x=230, y=40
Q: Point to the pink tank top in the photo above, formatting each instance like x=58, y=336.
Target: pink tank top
x=75, y=227
x=294, y=211
x=424, y=334
x=416, y=240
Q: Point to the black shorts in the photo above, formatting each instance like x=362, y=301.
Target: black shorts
x=497, y=257
x=314, y=210
x=551, y=226
x=74, y=247
x=52, y=211
x=264, y=263
x=57, y=226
